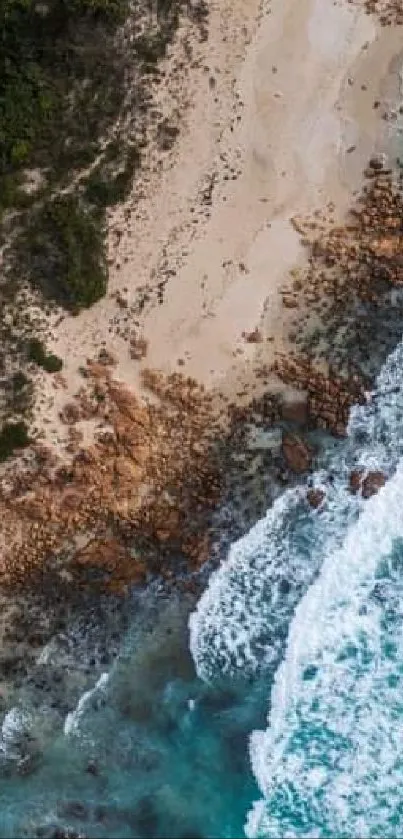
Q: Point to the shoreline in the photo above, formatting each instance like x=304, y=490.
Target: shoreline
x=146, y=477
x=257, y=410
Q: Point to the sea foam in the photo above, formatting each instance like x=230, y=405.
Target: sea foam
x=332, y=748
x=329, y=761
x=73, y=719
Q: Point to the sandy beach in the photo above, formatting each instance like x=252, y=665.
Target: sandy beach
x=277, y=121
x=279, y=113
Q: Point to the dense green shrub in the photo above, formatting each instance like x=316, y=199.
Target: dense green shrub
x=47, y=51
x=19, y=393
x=63, y=90
x=37, y=353
x=63, y=250
x=14, y=435
x=106, y=186
x=19, y=381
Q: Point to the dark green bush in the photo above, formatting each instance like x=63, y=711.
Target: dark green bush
x=37, y=353
x=19, y=393
x=49, y=118
x=53, y=363
x=19, y=381
x=14, y=435
x=106, y=187
x=63, y=250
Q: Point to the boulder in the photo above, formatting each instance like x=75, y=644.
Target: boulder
x=254, y=337
x=297, y=453
x=295, y=411
x=138, y=347
x=315, y=497
x=372, y=483
x=70, y=414
x=355, y=481
x=368, y=485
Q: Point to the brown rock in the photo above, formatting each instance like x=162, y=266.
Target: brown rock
x=138, y=348
x=372, y=483
x=315, y=497
x=369, y=485
x=70, y=413
x=296, y=411
x=297, y=453
x=377, y=163
x=355, y=480
x=106, y=358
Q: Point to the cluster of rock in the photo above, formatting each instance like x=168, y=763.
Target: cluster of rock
x=351, y=270
x=147, y=486
x=368, y=250
x=360, y=482
x=329, y=399
x=368, y=483
x=389, y=12
x=151, y=477
x=297, y=453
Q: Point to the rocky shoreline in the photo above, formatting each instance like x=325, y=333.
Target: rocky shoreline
x=158, y=468
x=169, y=479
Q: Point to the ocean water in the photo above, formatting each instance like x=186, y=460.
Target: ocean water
x=329, y=761
x=271, y=707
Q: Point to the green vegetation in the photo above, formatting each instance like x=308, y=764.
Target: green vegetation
x=37, y=353
x=63, y=252
x=48, y=51
x=75, y=99
x=63, y=85
x=19, y=382
x=105, y=186
x=14, y=435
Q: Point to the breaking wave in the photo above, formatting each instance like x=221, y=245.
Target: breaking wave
x=316, y=596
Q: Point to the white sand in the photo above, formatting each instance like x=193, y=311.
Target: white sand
x=285, y=132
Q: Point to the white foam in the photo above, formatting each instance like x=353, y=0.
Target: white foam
x=348, y=696
x=14, y=723
x=235, y=619
x=235, y=624
x=73, y=719
x=239, y=621
x=330, y=761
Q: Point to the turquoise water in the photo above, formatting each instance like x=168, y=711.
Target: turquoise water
x=150, y=751
x=329, y=763
x=270, y=707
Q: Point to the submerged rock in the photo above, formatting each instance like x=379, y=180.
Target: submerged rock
x=295, y=411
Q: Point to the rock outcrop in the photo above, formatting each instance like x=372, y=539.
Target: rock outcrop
x=328, y=399
x=388, y=12
x=151, y=479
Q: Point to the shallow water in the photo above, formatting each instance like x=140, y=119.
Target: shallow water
x=278, y=712
x=149, y=752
